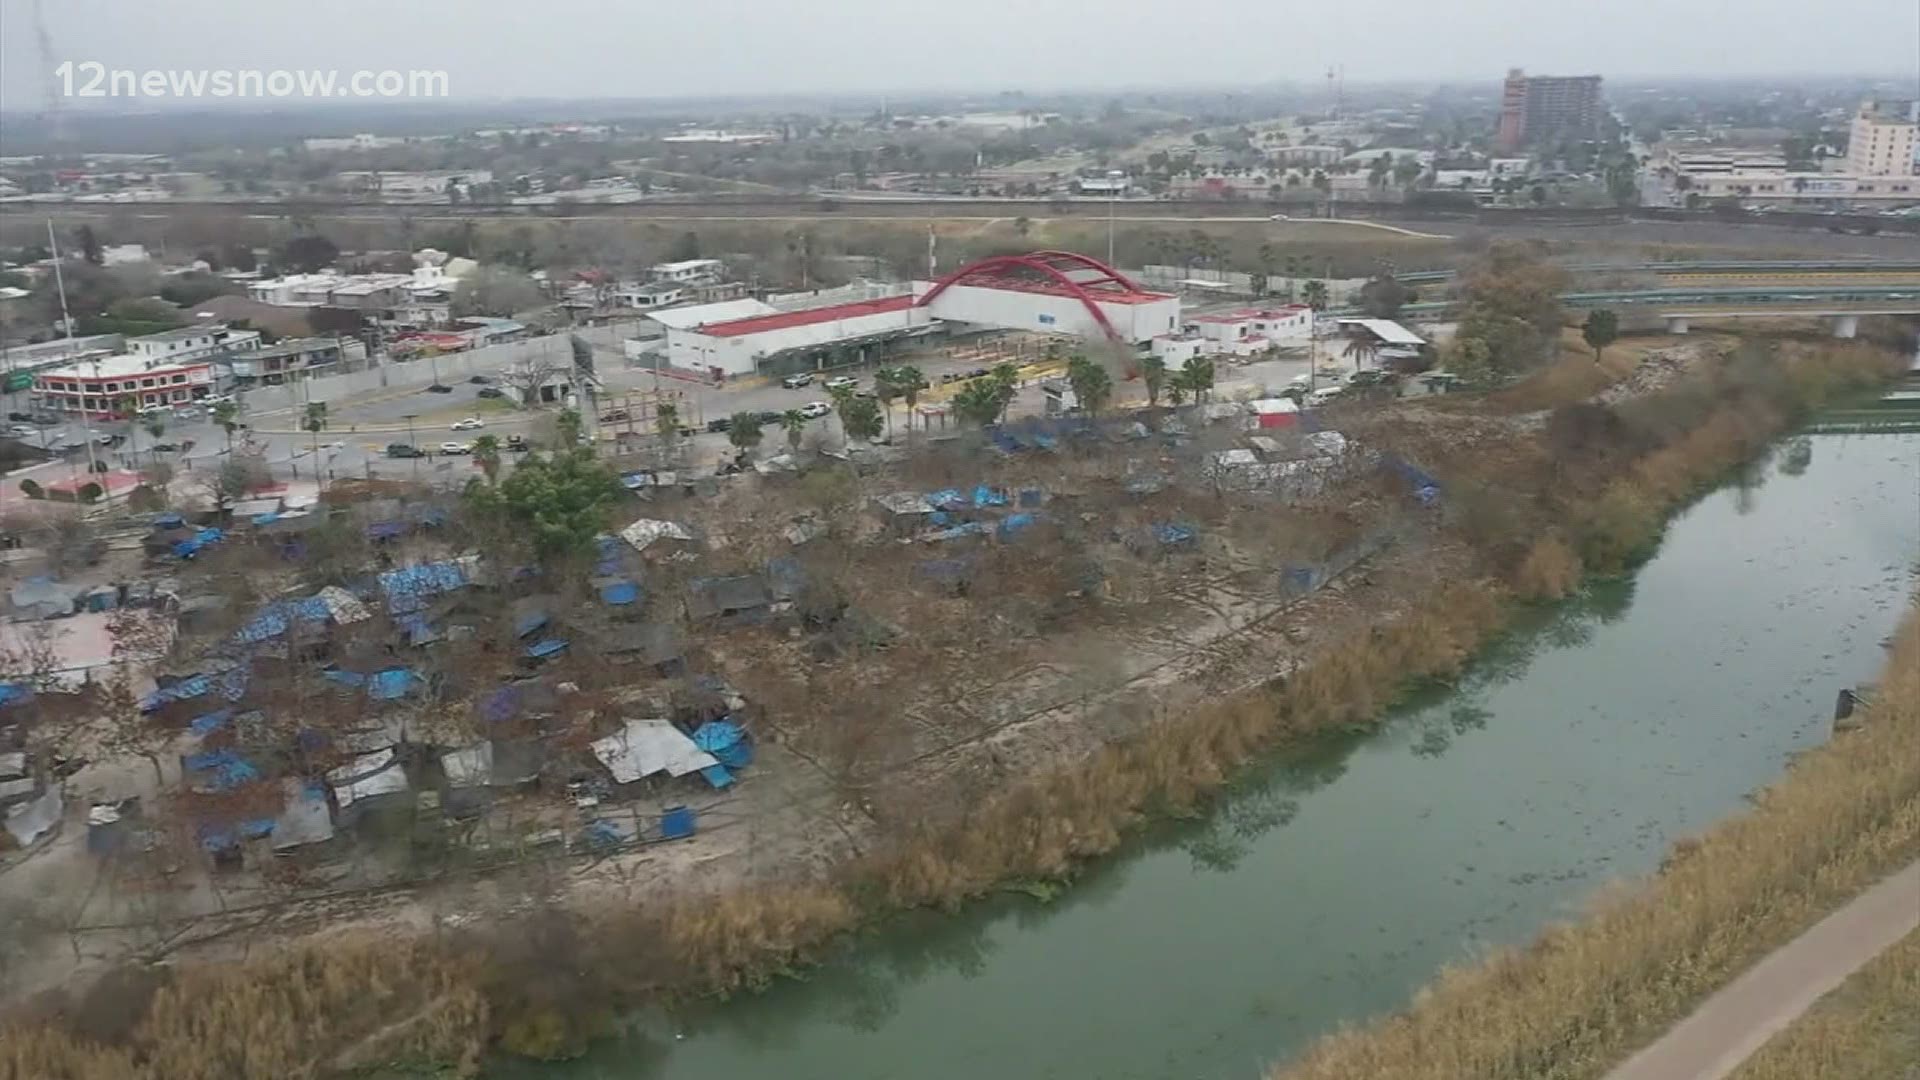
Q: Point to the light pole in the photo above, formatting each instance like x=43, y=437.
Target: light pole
x=1114, y=177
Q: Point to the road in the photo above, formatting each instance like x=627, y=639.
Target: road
x=1732, y=1024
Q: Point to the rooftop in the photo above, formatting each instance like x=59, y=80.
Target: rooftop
x=1053, y=288
x=686, y=318
x=683, y=264
x=785, y=320
x=120, y=365
x=184, y=333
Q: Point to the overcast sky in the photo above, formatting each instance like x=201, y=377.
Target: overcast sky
x=496, y=49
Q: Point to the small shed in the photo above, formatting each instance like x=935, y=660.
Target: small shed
x=642, y=748
x=744, y=598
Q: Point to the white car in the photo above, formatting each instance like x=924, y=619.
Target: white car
x=814, y=410
x=469, y=424
x=1322, y=396
x=842, y=382
x=455, y=448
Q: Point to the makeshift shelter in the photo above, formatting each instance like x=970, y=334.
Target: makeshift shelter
x=367, y=777
x=741, y=598
x=304, y=818
x=646, y=533
x=41, y=598
x=29, y=821
x=642, y=748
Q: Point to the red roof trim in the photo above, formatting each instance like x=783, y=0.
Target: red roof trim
x=785, y=320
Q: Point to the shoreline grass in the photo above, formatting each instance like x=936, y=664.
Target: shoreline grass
x=542, y=990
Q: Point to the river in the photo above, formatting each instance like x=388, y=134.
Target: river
x=1332, y=882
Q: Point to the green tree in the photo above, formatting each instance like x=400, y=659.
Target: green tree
x=486, y=454
x=909, y=381
x=569, y=426
x=156, y=424
x=666, y=424
x=1022, y=226
x=227, y=415
x=1092, y=386
x=886, y=391
x=1383, y=296
x=859, y=416
x=1362, y=349
x=795, y=425
x=559, y=503
x=1601, y=329
x=745, y=431
x=1316, y=295
x=1153, y=373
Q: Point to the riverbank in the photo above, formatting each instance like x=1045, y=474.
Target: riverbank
x=1582, y=996
x=543, y=971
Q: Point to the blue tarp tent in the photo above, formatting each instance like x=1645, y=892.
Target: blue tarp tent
x=984, y=496
x=15, y=693
x=717, y=775
x=219, y=770
x=677, y=823
x=217, y=838
x=210, y=723
x=1014, y=524
x=726, y=742
x=184, y=690
x=1172, y=532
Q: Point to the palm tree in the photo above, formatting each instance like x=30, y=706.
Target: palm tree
x=1196, y=378
x=796, y=427
x=1092, y=386
x=1363, y=349
x=1153, y=372
x=909, y=380
x=885, y=389
x=315, y=422
x=486, y=454
x=227, y=415
x=1315, y=294
x=1293, y=272
x=745, y=431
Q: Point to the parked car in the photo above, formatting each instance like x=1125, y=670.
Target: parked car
x=24, y=431
x=720, y=424
x=165, y=448
x=404, y=450
x=796, y=381
x=438, y=388
x=614, y=416
x=771, y=418
x=1323, y=396
x=455, y=448
x=479, y=380
x=814, y=410
x=518, y=443
x=842, y=382
x=490, y=392
x=471, y=423
x=24, y=418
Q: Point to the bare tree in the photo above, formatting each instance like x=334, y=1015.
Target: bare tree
x=528, y=376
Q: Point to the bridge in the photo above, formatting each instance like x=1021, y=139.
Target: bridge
x=1844, y=304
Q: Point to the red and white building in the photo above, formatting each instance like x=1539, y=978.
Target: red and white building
x=157, y=370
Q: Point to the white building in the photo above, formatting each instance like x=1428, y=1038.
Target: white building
x=686, y=271
x=743, y=346
x=1881, y=144
x=1253, y=330
x=1807, y=188
x=191, y=343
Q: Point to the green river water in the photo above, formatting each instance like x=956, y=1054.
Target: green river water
x=1330, y=884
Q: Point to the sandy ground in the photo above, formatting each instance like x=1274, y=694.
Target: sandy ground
x=1734, y=1023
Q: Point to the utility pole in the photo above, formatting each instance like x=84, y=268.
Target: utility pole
x=66, y=322
x=1113, y=178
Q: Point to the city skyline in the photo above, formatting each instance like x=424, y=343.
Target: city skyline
x=497, y=51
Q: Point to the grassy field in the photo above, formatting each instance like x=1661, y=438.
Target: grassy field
x=1582, y=996
x=1868, y=1029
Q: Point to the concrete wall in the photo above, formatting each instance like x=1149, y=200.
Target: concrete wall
x=395, y=376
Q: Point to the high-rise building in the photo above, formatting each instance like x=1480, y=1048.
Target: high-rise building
x=1881, y=142
x=1536, y=107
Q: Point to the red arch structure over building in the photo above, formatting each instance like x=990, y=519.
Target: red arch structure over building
x=1062, y=273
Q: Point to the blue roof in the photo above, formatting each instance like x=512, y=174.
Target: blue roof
x=501, y=705
x=406, y=588
x=1173, y=532
x=393, y=684
x=717, y=735
x=210, y=723
x=222, y=837
x=545, y=647
x=717, y=775
x=947, y=499
x=15, y=693
x=984, y=496
x=351, y=679
x=1016, y=523
x=620, y=593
